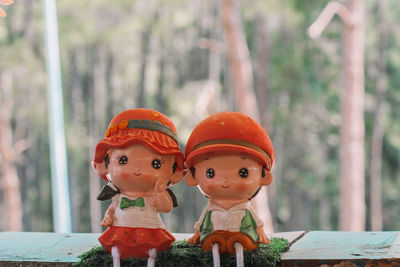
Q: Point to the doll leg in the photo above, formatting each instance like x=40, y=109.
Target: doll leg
x=151, y=261
x=115, y=256
x=215, y=252
x=239, y=254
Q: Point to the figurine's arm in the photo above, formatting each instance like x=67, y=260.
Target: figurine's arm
x=260, y=227
x=195, y=239
x=162, y=202
x=109, y=215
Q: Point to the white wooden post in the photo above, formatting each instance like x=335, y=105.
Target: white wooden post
x=58, y=155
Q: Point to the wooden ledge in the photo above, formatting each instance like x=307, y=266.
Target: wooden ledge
x=344, y=248
x=307, y=248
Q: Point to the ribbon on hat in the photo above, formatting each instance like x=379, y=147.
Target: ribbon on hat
x=143, y=124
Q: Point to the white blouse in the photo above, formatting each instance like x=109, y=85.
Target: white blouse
x=137, y=217
x=228, y=219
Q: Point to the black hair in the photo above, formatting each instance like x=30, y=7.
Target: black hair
x=174, y=167
x=173, y=197
x=192, y=170
x=263, y=173
x=106, y=160
x=255, y=194
x=170, y=193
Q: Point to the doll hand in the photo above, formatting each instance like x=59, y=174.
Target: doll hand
x=162, y=202
x=262, y=236
x=195, y=239
x=108, y=217
x=161, y=185
x=107, y=221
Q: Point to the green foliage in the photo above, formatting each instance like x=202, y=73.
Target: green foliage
x=183, y=254
x=102, y=58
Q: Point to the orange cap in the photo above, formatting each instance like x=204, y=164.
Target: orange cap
x=141, y=126
x=230, y=131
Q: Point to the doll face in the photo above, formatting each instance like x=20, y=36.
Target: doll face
x=137, y=168
x=228, y=176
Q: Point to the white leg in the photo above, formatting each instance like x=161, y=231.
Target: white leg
x=151, y=261
x=115, y=256
x=215, y=252
x=239, y=254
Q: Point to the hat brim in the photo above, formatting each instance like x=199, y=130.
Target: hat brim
x=193, y=157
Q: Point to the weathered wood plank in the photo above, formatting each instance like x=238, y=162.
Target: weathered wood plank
x=44, y=247
x=321, y=247
x=48, y=249
x=394, y=251
x=308, y=249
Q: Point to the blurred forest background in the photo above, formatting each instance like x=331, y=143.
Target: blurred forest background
x=172, y=56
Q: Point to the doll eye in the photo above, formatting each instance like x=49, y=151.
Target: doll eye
x=243, y=172
x=123, y=160
x=210, y=173
x=156, y=163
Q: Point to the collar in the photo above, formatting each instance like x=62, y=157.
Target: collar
x=241, y=206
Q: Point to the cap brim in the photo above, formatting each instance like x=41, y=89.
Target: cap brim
x=192, y=158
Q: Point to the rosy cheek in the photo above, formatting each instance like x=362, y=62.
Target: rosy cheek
x=125, y=175
x=242, y=188
x=149, y=180
x=121, y=174
x=210, y=188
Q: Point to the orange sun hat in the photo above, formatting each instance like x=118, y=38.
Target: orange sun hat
x=230, y=131
x=141, y=126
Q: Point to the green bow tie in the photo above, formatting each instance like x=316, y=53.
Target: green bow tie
x=126, y=203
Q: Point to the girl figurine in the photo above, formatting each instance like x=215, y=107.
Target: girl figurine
x=139, y=157
x=230, y=157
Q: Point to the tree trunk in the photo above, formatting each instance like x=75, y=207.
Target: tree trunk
x=112, y=97
x=239, y=59
x=262, y=68
x=352, y=176
x=28, y=25
x=261, y=74
x=209, y=101
x=141, y=100
x=10, y=182
x=96, y=126
x=325, y=211
x=160, y=97
x=145, y=49
x=377, y=134
x=352, y=201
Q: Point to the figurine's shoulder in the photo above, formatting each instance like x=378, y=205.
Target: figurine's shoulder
x=117, y=197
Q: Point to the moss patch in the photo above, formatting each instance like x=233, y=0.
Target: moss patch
x=183, y=254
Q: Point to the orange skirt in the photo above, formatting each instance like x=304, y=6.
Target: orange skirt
x=226, y=241
x=135, y=242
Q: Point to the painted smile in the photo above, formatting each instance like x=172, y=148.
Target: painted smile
x=225, y=186
x=137, y=174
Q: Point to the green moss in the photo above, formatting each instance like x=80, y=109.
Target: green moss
x=183, y=254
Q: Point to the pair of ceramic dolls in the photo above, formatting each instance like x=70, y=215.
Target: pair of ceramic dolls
x=228, y=156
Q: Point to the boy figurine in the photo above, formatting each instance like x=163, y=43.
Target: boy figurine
x=230, y=157
x=138, y=157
